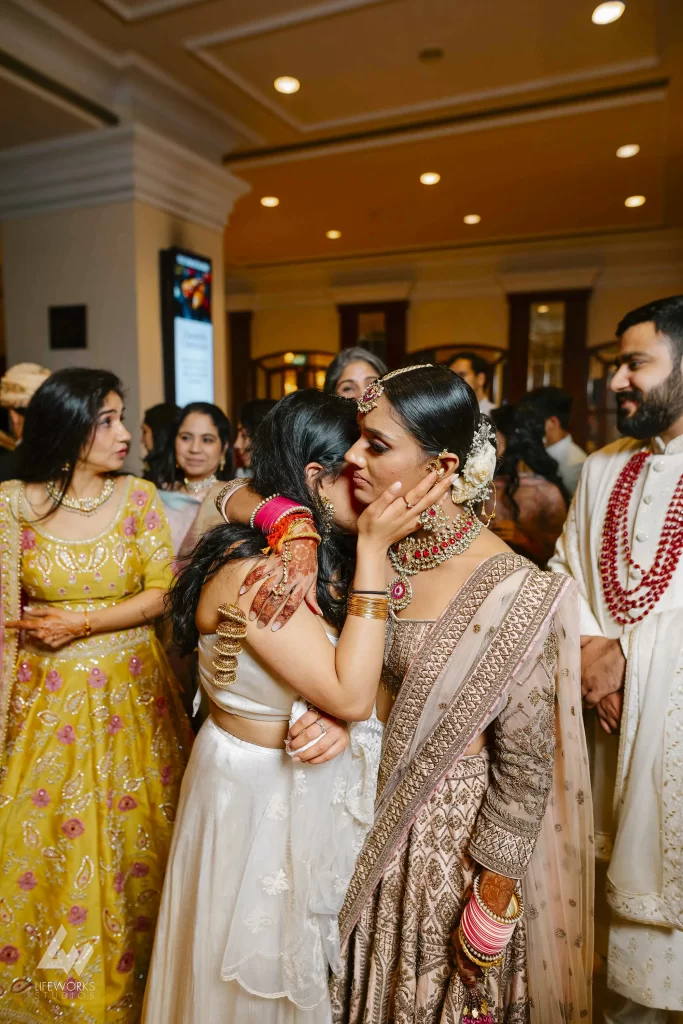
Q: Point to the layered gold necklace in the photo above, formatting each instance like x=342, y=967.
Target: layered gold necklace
x=84, y=506
x=416, y=554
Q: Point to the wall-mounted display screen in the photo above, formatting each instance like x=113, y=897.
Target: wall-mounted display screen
x=186, y=284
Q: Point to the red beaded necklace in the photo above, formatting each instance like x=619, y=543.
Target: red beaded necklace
x=629, y=606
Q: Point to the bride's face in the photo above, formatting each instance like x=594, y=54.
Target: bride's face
x=384, y=453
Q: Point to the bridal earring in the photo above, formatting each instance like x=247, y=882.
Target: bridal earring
x=436, y=465
x=221, y=464
x=434, y=517
x=327, y=512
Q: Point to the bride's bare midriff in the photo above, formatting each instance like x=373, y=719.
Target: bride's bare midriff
x=262, y=734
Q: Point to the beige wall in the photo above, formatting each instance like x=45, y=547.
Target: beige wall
x=299, y=328
x=108, y=259
x=66, y=258
x=457, y=297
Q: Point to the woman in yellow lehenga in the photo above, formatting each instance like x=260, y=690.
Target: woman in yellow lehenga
x=94, y=740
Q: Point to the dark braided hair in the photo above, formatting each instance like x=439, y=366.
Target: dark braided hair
x=524, y=426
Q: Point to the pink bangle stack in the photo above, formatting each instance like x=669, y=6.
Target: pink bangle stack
x=485, y=933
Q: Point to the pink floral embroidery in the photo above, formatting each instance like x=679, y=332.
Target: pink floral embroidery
x=24, y=672
x=77, y=915
x=139, y=870
x=27, y=881
x=152, y=520
x=73, y=988
x=28, y=539
x=97, y=678
x=66, y=735
x=9, y=954
x=53, y=681
x=73, y=828
x=161, y=705
x=139, y=498
x=114, y=725
x=166, y=775
x=135, y=665
x=120, y=882
x=130, y=526
x=126, y=962
x=41, y=798
x=127, y=803
x=143, y=924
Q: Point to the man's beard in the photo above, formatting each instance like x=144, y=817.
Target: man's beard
x=654, y=414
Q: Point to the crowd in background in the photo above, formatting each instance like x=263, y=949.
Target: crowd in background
x=96, y=577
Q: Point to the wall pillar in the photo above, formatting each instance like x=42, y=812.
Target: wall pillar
x=83, y=220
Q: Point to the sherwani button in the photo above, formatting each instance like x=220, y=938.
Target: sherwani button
x=647, y=499
x=658, y=467
x=641, y=536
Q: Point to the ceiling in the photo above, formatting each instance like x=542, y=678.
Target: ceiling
x=521, y=116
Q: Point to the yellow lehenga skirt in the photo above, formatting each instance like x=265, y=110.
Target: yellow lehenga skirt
x=96, y=743
x=95, y=756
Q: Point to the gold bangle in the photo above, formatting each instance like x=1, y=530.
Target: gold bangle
x=516, y=902
x=88, y=627
x=368, y=607
x=474, y=956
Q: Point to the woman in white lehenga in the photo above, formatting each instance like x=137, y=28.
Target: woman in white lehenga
x=264, y=847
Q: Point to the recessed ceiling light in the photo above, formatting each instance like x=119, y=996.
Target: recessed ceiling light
x=605, y=14
x=333, y=234
x=287, y=84
x=632, y=149
x=634, y=201
x=542, y=309
x=472, y=218
x=270, y=201
x=430, y=178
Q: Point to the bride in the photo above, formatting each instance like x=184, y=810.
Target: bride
x=264, y=846
x=471, y=899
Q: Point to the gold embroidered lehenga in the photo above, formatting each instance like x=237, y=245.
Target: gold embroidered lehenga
x=94, y=744
x=505, y=653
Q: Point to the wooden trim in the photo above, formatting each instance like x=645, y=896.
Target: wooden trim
x=575, y=351
x=396, y=319
x=241, y=376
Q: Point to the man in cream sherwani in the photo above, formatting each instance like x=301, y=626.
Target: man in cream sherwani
x=633, y=674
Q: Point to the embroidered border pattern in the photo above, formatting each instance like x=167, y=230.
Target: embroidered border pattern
x=527, y=612
x=10, y=567
x=442, y=639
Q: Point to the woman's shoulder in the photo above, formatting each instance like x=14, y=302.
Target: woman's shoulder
x=141, y=491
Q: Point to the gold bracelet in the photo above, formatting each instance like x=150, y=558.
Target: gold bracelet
x=228, y=647
x=227, y=492
x=88, y=627
x=368, y=607
x=474, y=956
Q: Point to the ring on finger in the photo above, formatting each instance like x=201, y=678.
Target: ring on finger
x=323, y=730
x=408, y=505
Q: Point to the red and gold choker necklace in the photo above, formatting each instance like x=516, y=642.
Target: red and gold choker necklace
x=412, y=554
x=629, y=606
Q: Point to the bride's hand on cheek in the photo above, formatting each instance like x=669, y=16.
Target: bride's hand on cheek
x=393, y=515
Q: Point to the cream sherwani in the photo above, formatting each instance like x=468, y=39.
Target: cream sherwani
x=645, y=803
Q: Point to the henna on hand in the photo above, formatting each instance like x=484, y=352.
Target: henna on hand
x=496, y=891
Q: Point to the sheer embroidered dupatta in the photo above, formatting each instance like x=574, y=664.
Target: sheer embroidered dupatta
x=486, y=639
x=10, y=595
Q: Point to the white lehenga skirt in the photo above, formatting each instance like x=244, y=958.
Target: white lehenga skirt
x=262, y=853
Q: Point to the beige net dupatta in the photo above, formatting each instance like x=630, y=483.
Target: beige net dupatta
x=10, y=594
x=490, y=635
x=559, y=883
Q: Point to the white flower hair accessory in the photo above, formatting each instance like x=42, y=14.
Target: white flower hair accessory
x=474, y=482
